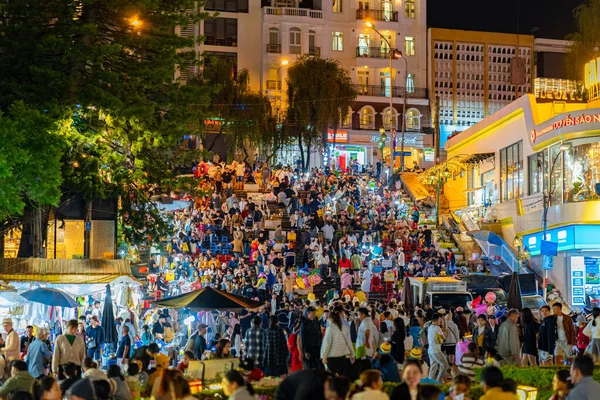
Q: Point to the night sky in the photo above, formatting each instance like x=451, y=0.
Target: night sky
x=552, y=18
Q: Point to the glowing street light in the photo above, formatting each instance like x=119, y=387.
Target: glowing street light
x=135, y=22
x=284, y=62
x=368, y=24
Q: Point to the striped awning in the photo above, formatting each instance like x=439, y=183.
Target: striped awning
x=63, y=270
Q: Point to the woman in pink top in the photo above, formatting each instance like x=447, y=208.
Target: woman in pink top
x=346, y=280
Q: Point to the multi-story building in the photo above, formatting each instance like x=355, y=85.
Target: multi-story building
x=475, y=74
x=336, y=30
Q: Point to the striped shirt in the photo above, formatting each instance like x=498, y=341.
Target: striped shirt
x=467, y=363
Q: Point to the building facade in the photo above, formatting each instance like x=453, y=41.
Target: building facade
x=530, y=151
x=265, y=39
x=474, y=74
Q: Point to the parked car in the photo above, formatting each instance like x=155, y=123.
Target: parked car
x=535, y=303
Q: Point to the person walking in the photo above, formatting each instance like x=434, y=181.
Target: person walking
x=366, y=338
x=531, y=328
x=68, y=348
x=337, y=353
x=254, y=342
x=592, y=330
x=547, y=336
x=310, y=338
x=508, y=339
x=275, y=361
x=294, y=349
x=397, y=340
x=483, y=335
x=438, y=361
x=37, y=353
x=94, y=335
x=566, y=337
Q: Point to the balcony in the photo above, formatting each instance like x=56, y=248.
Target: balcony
x=274, y=48
x=215, y=41
x=314, y=51
x=377, y=15
x=372, y=52
x=273, y=85
x=295, y=49
x=293, y=12
x=384, y=91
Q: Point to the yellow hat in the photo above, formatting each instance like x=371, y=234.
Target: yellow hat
x=162, y=360
x=416, y=353
x=311, y=297
x=385, y=348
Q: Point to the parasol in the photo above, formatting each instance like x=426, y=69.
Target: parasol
x=208, y=299
x=50, y=297
x=108, y=319
x=407, y=295
x=514, y=293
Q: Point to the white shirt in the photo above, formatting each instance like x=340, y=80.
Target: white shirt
x=361, y=337
x=434, y=345
x=560, y=328
x=328, y=231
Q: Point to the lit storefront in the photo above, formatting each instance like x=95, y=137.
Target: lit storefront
x=538, y=148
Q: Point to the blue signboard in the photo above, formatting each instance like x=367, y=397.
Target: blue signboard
x=549, y=248
x=577, y=281
x=570, y=237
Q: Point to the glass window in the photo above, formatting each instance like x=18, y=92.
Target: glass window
x=295, y=45
x=387, y=116
x=582, y=167
x=413, y=119
x=273, y=36
x=367, y=118
x=410, y=83
x=337, y=6
x=409, y=46
x=409, y=8
x=220, y=31
x=338, y=41
x=511, y=172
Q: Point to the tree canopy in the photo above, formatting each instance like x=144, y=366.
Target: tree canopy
x=320, y=93
x=585, y=43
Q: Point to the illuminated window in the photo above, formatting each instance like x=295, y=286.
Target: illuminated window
x=410, y=83
x=409, y=46
x=337, y=6
x=367, y=118
x=413, y=119
x=347, y=121
x=295, y=45
x=511, y=172
x=387, y=116
x=409, y=8
x=338, y=41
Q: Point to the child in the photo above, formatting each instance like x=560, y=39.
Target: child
x=132, y=380
x=460, y=387
x=248, y=371
x=185, y=363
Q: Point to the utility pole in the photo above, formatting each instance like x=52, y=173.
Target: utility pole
x=436, y=132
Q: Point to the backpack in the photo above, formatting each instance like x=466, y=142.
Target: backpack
x=258, y=216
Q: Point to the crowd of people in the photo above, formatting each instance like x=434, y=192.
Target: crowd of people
x=351, y=233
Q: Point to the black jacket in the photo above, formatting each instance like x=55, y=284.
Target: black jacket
x=310, y=332
x=547, y=337
x=402, y=392
x=489, y=338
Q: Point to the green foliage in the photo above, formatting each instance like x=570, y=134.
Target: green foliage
x=246, y=115
x=31, y=146
x=320, y=93
x=107, y=85
x=586, y=41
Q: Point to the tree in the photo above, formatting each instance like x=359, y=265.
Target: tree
x=245, y=115
x=108, y=65
x=585, y=43
x=320, y=92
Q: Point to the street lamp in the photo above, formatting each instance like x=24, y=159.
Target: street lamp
x=369, y=24
x=547, y=198
x=518, y=243
x=135, y=22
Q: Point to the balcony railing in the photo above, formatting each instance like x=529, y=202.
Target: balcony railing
x=273, y=85
x=314, y=51
x=295, y=49
x=274, y=48
x=293, y=12
x=377, y=15
x=372, y=52
x=215, y=41
x=384, y=91
x=367, y=125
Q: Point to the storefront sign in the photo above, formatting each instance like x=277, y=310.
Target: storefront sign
x=411, y=141
x=569, y=122
x=339, y=136
x=570, y=237
x=585, y=279
x=429, y=155
x=592, y=73
x=213, y=122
